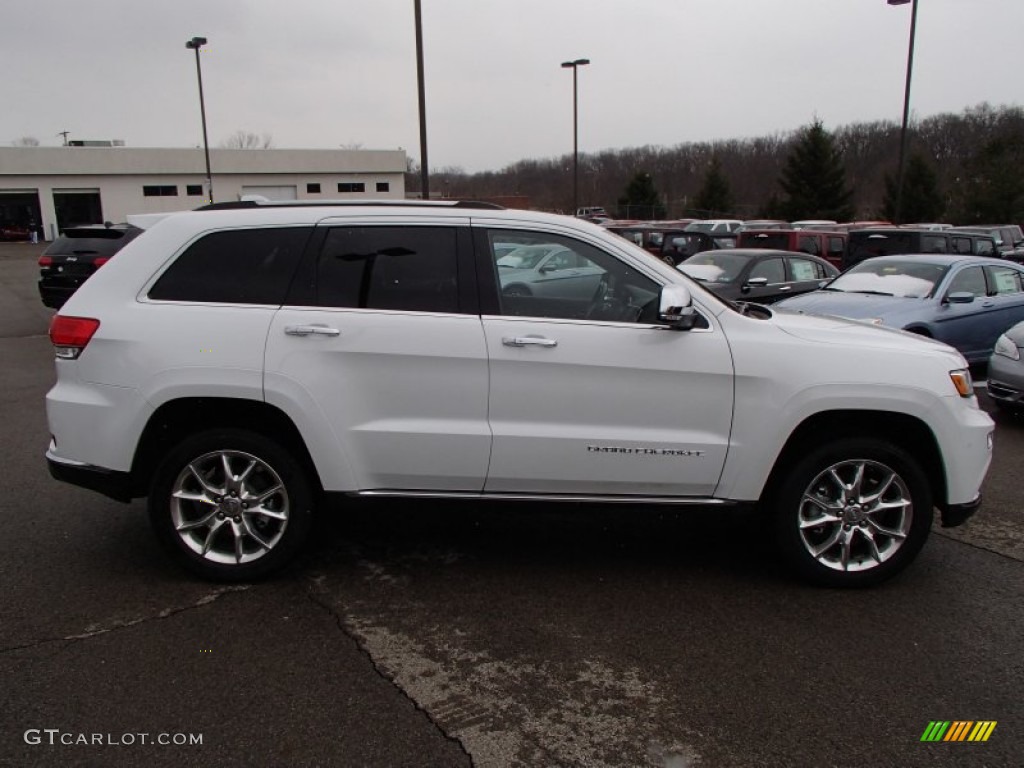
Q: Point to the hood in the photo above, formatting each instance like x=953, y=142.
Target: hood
x=854, y=305
x=826, y=329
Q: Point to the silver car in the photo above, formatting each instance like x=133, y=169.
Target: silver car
x=1006, y=370
x=548, y=270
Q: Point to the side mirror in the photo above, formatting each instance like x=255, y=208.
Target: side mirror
x=675, y=308
x=960, y=297
x=547, y=268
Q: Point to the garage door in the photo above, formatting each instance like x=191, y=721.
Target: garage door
x=273, y=193
x=19, y=213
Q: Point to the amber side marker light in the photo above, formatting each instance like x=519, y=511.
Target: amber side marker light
x=962, y=381
x=70, y=335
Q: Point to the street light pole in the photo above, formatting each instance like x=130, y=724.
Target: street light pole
x=574, y=65
x=906, y=109
x=195, y=44
x=424, y=174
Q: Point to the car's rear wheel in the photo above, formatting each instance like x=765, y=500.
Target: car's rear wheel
x=853, y=513
x=231, y=505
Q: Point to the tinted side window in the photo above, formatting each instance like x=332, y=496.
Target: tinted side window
x=970, y=280
x=962, y=245
x=411, y=268
x=240, y=266
x=773, y=269
x=809, y=244
x=933, y=244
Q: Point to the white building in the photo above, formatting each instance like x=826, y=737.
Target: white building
x=52, y=188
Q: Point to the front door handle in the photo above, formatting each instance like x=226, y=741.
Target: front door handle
x=528, y=341
x=311, y=330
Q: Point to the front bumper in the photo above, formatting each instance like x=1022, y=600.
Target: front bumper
x=958, y=514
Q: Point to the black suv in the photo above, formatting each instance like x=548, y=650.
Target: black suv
x=75, y=255
x=888, y=241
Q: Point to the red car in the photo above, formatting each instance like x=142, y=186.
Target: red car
x=14, y=232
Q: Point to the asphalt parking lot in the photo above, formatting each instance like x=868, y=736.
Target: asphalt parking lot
x=438, y=634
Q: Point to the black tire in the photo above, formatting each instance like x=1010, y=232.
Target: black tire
x=249, y=525
x=851, y=519
x=668, y=259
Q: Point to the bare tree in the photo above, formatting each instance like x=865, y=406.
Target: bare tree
x=247, y=140
x=26, y=141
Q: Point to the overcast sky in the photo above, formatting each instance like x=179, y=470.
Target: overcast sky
x=326, y=73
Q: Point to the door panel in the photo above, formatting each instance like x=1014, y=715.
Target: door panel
x=404, y=394
x=386, y=350
x=607, y=408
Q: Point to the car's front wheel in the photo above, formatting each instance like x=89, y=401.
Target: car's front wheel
x=853, y=513
x=231, y=505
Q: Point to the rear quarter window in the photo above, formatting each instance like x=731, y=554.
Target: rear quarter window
x=242, y=266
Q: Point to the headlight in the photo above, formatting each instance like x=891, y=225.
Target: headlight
x=1006, y=348
x=962, y=382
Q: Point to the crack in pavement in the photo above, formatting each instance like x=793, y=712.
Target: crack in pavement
x=94, y=631
x=344, y=629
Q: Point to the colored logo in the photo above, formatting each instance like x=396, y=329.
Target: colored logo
x=958, y=730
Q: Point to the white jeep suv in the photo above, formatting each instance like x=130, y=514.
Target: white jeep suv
x=236, y=363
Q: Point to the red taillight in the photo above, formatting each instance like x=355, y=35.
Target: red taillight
x=70, y=335
x=100, y=261
x=45, y=261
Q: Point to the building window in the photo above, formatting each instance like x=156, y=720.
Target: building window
x=156, y=190
x=194, y=190
x=383, y=186
x=312, y=189
x=351, y=186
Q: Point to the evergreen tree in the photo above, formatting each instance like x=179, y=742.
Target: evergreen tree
x=641, y=199
x=814, y=178
x=992, y=190
x=715, y=198
x=922, y=201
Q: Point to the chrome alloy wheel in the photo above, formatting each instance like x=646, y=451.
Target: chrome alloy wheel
x=855, y=515
x=229, y=507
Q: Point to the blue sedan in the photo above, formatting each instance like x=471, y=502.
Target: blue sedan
x=964, y=301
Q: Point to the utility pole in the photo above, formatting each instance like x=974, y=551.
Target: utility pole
x=424, y=174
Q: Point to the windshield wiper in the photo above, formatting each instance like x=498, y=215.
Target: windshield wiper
x=871, y=293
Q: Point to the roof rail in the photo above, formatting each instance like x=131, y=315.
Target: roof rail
x=242, y=204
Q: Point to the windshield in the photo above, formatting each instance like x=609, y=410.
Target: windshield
x=711, y=267
x=912, y=279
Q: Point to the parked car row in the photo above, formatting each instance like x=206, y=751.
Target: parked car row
x=964, y=301
x=960, y=285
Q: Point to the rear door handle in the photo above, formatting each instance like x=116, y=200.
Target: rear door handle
x=528, y=341
x=311, y=330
